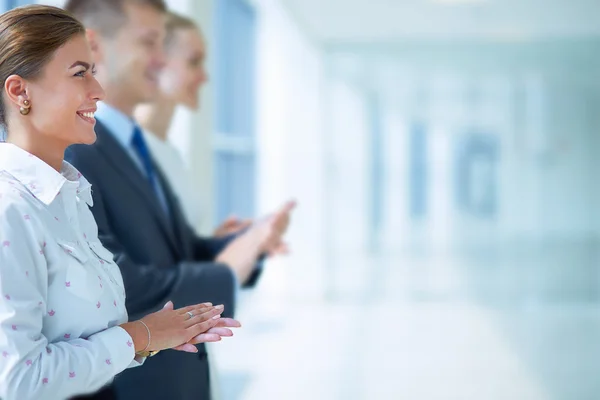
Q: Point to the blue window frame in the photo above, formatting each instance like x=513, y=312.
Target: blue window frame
x=418, y=171
x=377, y=169
x=476, y=160
x=235, y=93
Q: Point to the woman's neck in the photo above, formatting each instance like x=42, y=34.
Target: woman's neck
x=51, y=151
x=156, y=117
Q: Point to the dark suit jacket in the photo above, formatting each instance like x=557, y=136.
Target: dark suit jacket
x=160, y=258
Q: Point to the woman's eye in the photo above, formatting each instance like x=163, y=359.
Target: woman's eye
x=81, y=74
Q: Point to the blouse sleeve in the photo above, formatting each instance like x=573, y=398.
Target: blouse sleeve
x=30, y=367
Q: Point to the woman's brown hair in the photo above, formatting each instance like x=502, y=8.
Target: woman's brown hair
x=29, y=37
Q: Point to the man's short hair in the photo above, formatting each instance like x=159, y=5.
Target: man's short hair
x=107, y=16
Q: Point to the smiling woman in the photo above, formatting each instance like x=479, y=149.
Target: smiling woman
x=63, y=322
x=45, y=68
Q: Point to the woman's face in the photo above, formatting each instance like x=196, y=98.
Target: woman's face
x=184, y=72
x=63, y=98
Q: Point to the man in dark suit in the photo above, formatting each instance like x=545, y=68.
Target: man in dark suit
x=139, y=218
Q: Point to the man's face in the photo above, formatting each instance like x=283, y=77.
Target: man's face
x=133, y=58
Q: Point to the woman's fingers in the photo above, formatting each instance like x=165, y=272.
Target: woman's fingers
x=203, y=310
x=202, y=325
x=171, y=328
x=168, y=306
x=203, y=322
x=186, y=347
x=223, y=332
x=184, y=310
x=201, y=315
x=205, y=338
x=281, y=249
x=247, y=223
x=228, y=323
x=194, y=314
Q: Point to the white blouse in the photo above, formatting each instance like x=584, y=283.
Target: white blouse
x=61, y=295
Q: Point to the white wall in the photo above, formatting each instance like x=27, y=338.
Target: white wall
x=56, y=3
x=539, y=99
x=570, y=176
x=347, y=158
x=289, y=140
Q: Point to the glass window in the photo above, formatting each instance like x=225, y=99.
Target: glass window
x=234, y=78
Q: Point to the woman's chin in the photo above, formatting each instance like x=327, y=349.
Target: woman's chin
x=191, y=104
x=88, y=137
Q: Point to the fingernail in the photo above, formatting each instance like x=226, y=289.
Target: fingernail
x=220, y=306
x=217, y=316
x=207, y=304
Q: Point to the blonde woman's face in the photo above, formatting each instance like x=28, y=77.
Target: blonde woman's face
x=185, y=73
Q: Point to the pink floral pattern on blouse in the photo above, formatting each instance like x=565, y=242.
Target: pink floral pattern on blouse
x=54, y=339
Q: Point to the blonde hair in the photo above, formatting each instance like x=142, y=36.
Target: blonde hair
x=176, y=22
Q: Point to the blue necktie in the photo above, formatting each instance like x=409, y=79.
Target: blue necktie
x=141, y=148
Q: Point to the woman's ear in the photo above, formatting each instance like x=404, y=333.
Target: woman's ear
x=15, y=88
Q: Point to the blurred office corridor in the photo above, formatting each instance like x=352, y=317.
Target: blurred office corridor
x=446, y=246
x=444, y=154
x=444, y=329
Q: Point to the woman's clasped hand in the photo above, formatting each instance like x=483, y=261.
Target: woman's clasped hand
x=180, y=329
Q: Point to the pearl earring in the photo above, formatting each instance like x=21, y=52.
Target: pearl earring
x=24, y=110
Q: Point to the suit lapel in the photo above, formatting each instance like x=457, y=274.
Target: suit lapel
x=118, y=157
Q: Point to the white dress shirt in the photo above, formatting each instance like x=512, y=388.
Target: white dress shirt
x=172, y=165
x=61, y=295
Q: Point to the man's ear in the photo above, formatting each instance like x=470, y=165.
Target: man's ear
x=96, y=44
x=15, y=88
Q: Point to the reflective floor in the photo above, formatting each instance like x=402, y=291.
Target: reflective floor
x=519, y=322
